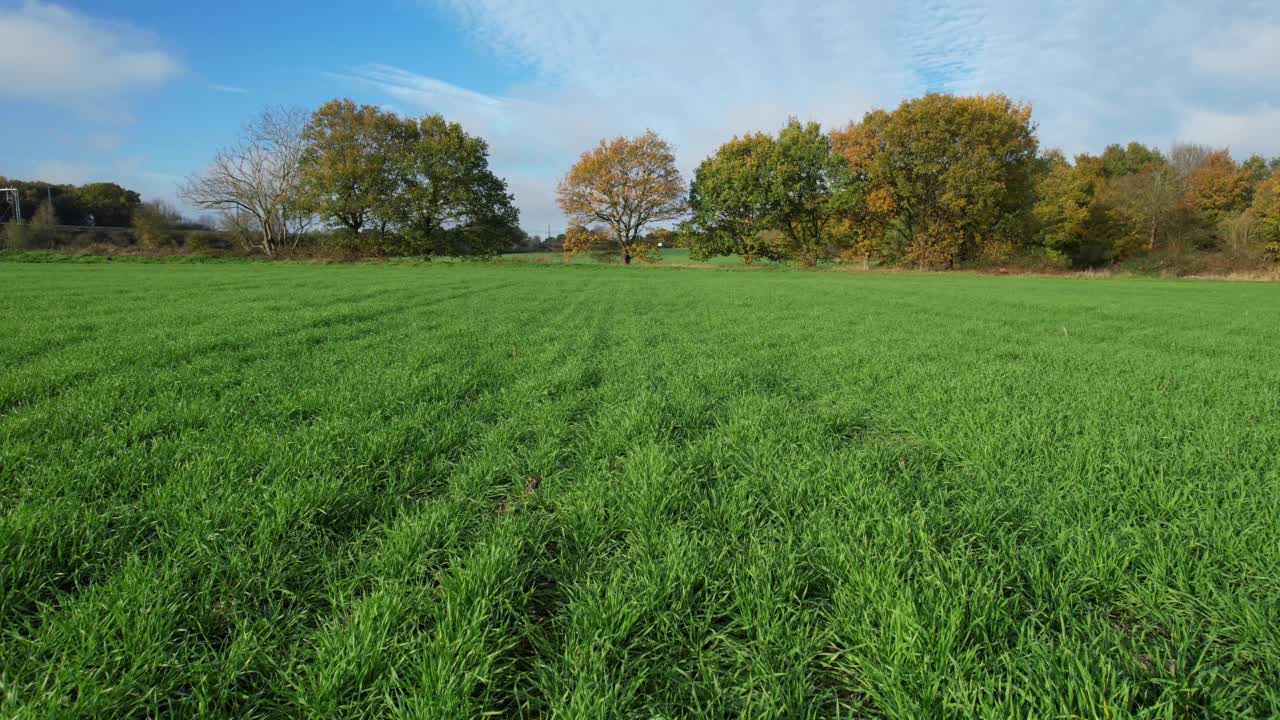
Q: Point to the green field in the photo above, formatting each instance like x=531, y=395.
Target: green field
x=273, y=490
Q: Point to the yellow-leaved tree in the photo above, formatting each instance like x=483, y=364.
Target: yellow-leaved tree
x=623, y=184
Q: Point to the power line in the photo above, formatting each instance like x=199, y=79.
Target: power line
x=15, y=201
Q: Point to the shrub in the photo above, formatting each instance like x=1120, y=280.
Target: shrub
x=153, y=224
x=43, y=229
x=17, y=236
x=200, y=241
x=1241, y=235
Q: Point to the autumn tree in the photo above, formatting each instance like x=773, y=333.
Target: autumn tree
x=1266, y=211
x=594, y=240
x=347, y=173
x=957, y=172
x=257, y=183
x=625, y=184
x=1073, y=222
x=870, y=209
x=1256, y=169
x=1217, y=186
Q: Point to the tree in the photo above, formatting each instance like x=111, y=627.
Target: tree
x=804, y=191
x=1147, y=201
x=1217, y=186
x=626, y=184
x=347, y=166
x=107, y=204
x=1266, y=211
x=153, y=224
x=872, y=209
x=258, y=181
x=1256, y=169
x=450, y=200
x=1073, y=222
x=1118, y=161
x=956, y=172
x=1185, y=158
x=729, y=199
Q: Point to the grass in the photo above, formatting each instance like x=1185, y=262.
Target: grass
x=253, y=490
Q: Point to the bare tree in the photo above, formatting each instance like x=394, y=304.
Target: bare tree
x=1148, y=200
x=258, y=180
x=1186, y=158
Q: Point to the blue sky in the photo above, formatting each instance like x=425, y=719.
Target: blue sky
x=142, y=92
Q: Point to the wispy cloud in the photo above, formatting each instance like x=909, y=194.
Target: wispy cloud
x=61, y=57
x=944, y=40
x=227, y=89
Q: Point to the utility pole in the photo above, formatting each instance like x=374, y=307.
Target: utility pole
x=15, y=200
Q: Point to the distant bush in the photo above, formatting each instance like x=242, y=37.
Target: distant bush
x=153, y=223
x=43, y=230
x=17, y=236
x=200, y=241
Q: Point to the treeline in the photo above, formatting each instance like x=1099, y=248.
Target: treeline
x=943, y=180
x=938, y=182
x=50, y=216
x=99, y=204
x=1135, y=200
x=380, y=184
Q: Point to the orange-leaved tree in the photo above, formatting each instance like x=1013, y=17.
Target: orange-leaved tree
x=1218, y=186
x=953, y=174
x=624, y=184
x=1266, y=208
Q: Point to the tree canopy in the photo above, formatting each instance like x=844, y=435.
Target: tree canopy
x=626, y=184
x=347, y=165
x=729, y=200
x=957, y=172
x=420, y=186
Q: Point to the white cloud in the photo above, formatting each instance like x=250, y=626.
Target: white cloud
x=1245, y=133
x=58, y=56
x=699, y=72
x=232, y=89
x=1242, y=52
